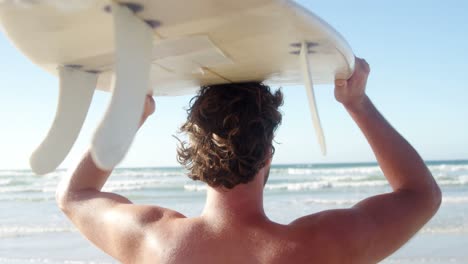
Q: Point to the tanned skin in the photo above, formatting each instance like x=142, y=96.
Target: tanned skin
x=233, y=227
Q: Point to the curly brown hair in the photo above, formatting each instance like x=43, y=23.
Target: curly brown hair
x=230, y=129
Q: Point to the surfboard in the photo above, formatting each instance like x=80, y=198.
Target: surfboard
x=167, y=48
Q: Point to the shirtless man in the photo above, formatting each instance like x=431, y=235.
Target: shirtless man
x=230, y=148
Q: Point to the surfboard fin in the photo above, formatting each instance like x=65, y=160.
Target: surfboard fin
x=75, y=95
x=133, y=48
x=307, y=75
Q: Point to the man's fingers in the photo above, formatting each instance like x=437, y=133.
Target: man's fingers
x=151, y=103
x=340, y=83
x=150, y=106
x=362, y=65
x=366, y=66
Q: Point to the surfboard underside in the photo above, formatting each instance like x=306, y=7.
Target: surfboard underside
x=165, y=48
x=197, y=44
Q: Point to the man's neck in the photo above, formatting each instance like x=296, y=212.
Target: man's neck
x=242, y=204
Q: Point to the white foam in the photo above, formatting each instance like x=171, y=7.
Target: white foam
x=445, y=230
x=375, y=170
x=448, y=168
x=195, y=187
x=47, y=260
x=5, y=181
x=27, y=199
x=147, y=173
x=314, y=185
x=17, y=231
x=20, y=189
x=361, y=184
x=425, y=260
x=136, y=182
x=121, y=188
x=299, y=186
x=332, y=201
x=445, y=200
x=10, y=173
x=139, y=184
x=34, y=188
x=344, y=178
x=452, y=182
x=463, y=179
x=454, y=199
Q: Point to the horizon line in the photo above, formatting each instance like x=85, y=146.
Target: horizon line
x=365, y=163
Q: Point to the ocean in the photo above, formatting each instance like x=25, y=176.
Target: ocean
x=33, y=230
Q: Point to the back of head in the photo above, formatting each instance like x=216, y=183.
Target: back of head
x=230, y=129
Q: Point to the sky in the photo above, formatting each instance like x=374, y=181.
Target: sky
x=417, y=50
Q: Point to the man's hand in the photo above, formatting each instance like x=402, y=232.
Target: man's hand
x=148, y=110
x=352, y=92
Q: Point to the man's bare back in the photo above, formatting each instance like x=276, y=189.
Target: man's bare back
x=196, y=240
x=234, y=228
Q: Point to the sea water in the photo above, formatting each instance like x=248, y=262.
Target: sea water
x=33, y=230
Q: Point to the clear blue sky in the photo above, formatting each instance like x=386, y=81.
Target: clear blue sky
x=419, y=59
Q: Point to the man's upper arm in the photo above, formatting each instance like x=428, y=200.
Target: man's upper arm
x=396, y=217
x=375, y=227
x=113, y=223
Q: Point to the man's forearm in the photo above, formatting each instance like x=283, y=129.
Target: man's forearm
x=86, y=176
x=399, y=161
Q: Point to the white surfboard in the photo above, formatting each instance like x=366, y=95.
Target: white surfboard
x=167, y=47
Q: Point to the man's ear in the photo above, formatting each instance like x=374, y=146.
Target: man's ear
x=266, y=170
x=271, y=152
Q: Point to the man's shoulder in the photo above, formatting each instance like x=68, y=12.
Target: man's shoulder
x=328, y=218
x=153, y=215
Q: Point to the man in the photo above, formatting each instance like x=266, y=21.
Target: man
x=230, y=148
